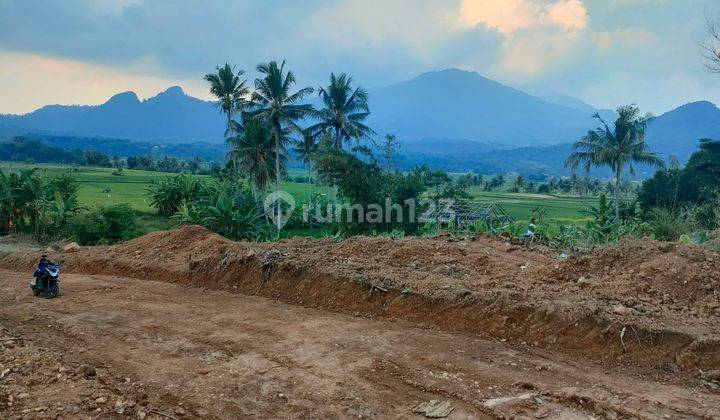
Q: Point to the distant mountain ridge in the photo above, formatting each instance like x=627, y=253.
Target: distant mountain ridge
x=453, y=114
x=449, y=103
x=462, y=104
x=170, y=117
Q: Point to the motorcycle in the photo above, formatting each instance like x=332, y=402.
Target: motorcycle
x=47, y=279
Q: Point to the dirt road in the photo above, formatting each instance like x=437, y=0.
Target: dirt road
x=159, y=350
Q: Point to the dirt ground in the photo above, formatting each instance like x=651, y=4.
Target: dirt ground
x=186, y=324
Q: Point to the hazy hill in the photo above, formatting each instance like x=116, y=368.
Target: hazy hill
x=171, y=116
x=444, y=104
x=678, y=131
x=460, y=104
x=453, y=119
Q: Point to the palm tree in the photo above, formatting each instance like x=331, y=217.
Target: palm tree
x=252, y=151
x=226, y=86
x=344, y=112
x=279, y=108
x=306, y=149
x=617, y=148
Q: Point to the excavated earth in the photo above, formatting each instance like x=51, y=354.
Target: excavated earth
x=185, y=323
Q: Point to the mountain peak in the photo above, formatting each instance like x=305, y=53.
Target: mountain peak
x=172, y=91
x=697, y=105
x=123, y=99
x=451, y=73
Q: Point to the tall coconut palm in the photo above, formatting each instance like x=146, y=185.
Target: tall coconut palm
x=226, y=86
x=344, y=112
x=253, y=152
x=279, y=108
x=305, y=150
x=617, y=148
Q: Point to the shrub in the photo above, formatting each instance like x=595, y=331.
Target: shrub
x=104, y=225
x=698, y=182
x=167, y=195
x=119, y=222
x=226, y=208
x=669, y=224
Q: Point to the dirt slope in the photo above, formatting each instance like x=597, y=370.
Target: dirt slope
x=164, y=351
x=642, y=303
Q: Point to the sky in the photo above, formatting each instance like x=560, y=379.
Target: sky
x=605, y=52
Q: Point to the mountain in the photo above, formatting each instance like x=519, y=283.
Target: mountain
x=450, y=118
x=570, y=102
x=462, y=104
x=580, y=105
x=170, y=117
x=678, y=131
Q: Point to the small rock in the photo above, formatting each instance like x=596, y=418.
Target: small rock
x=120, y=407
x=434, y=409
x=623, y=310
x=100, y=400
x=71, y=247
x=495, y=402
x=23, y=395
x=712, y=375
x=272, y=257
x=88, y=371
x=584, y=281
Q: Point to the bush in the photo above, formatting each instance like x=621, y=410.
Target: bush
x=669, y=224
x=167, y=195
x=86, y=228
x=697, y=183
x=119, y=222
x=226, y=208
x=105, y=225
x=706, y=215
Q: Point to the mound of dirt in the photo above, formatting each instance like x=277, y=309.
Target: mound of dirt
x=642, y=301
x=685, y=276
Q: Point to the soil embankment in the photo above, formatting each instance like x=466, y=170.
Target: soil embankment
x=641, y=303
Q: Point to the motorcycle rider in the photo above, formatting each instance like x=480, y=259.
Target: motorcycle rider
x=42, y=282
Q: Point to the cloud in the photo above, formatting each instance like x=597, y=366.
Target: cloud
x=568, y=14
x=509, y=16
x=536, y=36
x=558, y=46
x=531, y=54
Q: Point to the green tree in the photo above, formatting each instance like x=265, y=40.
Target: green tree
x=230, y=91
x=617, y=148
x=344, y=110
x=252, y=152
x=306, y=150
x=519, y=183
x=117, y=164
x=389, y=149
x=279, y=108
x=167, y=195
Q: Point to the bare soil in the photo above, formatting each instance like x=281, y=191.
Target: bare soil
x=185, y=324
